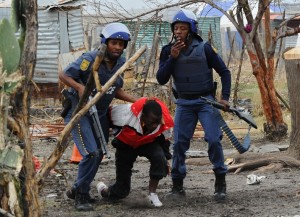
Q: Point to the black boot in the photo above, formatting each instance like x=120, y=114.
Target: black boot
x=220, y=187
x=177, y=189
x=71, y=193
x=82, y=203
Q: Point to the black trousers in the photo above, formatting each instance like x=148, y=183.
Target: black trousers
x=125, y=158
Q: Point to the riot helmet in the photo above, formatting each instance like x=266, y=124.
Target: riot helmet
x=186, y=16
x=115, y=31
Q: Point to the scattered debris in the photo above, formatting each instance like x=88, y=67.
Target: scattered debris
x=253, y=179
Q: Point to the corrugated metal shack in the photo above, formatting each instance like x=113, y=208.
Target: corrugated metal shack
x=60, y=30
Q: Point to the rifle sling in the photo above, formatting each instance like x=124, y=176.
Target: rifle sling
x=241, y=148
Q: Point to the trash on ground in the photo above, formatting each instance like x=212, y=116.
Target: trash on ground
x=253, y=179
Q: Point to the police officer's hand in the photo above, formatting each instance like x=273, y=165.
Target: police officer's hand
x=176, y=48
x=80, y=90
x=226, y=105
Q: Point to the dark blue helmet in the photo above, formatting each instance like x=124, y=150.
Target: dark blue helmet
x=186, y=16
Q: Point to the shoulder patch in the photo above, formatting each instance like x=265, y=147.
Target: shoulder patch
x=84, y=65
x=214, y=49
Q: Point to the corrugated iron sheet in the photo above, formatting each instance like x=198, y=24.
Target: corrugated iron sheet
x=213, y=23
x=67, y=58
x=57, y=3
x=291, y=41
x=75, y=29
x=47, y=47
x=147, y=30
x=50, y=39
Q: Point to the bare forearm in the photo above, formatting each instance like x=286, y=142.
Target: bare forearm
x=72, y=83
x=122, y=95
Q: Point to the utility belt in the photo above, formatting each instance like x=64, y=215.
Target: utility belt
x=193, y=96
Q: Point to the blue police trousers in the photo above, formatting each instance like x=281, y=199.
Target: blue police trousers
x=89, y=147
x=187, y=114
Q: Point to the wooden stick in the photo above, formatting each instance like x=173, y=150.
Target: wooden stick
x=97, y=63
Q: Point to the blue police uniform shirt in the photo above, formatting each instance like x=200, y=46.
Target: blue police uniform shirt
x=166, y=67
x=80, y=70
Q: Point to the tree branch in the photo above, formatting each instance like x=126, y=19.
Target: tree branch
x=288, y=32
x=287, y=20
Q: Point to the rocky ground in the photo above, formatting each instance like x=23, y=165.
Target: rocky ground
x=277, y=194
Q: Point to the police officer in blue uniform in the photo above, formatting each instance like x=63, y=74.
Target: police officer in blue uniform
x=116, y=37
x=190, y=62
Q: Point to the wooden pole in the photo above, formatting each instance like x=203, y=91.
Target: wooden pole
x=292, y=66
x=237, y=80
x=131, y=45
x=152, y=53
x=231, y=40
x=231, y=51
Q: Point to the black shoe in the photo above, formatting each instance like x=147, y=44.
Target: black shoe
x=220, y=187
x=177, y=190
x=71, y=193
x=82, y=203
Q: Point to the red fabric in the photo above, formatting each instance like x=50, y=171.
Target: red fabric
x=129, y=135
x=37, y=164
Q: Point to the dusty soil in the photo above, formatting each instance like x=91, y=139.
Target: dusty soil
x=276, y=195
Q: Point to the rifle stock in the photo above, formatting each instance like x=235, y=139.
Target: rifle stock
x=247, y=118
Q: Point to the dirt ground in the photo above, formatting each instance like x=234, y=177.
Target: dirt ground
x=277, y=195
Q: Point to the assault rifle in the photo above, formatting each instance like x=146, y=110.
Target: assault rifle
x=241, y=115
x=98, y=129
x=241, y=148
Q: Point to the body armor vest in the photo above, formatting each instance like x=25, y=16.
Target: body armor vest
x=192, y=75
